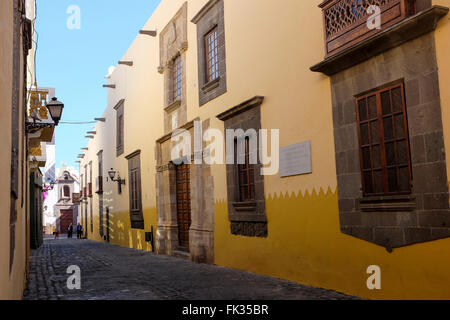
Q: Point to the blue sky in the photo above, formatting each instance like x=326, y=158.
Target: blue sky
x=75, y=61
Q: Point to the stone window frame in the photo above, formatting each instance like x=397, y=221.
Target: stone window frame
x=173, y=42
x=211, y=16
x=136, y=212
x=120, y=127
x=248, y=218
x=397, y=220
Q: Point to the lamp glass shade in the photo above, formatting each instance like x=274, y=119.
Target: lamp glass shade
x=111, y=174
x=55, y=108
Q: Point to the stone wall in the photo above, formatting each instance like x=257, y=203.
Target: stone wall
x=423, y=215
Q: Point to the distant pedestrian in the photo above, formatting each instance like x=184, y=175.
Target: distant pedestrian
x=70, y=231
x=56, y=232
x=79, y=231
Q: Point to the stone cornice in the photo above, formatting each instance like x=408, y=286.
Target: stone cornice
x=246, y=105
x=204, y=10
x=187, y=126
x=132, y=155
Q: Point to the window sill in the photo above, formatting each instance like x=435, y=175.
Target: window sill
x=246, y=211
x=388, y=203
x=213, y=84
x=173, y=105
x=137, y=225
x=247, y=206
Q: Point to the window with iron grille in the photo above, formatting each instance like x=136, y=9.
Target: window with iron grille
x=246, y=171
x=212, y=55
x=177, y=79
x=384, y=142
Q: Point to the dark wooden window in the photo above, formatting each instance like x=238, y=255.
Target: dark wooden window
x=100, y=163
x=384, y=142
x=120, y=130
x=246, y=174
x=212, y=55
x=135, y=191
x=66, y=192
x=100, y=191
x=91, y=215
x=177, y=79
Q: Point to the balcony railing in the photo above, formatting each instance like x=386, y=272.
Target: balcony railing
x=85, y=193
x=345, y=21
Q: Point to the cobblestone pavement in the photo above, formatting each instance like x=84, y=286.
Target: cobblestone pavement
x=111, y=272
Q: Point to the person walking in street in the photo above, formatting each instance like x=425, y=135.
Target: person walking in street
x=79, y=231
x=70, y=231
x=56, y=232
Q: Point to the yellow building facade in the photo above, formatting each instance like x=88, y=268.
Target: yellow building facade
x=16, y=55
x=324, y=217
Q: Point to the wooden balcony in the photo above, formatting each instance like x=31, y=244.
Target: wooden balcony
x=85, y=193
x=345, y=21
x=90, y=194
x=99, y=185
x=76, y=197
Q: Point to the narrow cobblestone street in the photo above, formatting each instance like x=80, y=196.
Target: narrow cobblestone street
x=112, y=272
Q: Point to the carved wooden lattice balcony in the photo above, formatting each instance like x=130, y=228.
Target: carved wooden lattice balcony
x=345, y=21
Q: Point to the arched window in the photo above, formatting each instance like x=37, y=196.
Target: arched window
x=66, y=192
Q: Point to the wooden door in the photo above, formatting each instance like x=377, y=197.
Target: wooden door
x=65, y=220
x=183, y=204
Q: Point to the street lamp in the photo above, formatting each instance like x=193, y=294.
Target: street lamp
x=50, y=185
x=120, y=182
x=55, y=108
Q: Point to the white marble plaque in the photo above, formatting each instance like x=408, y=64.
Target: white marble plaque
x=295, y=159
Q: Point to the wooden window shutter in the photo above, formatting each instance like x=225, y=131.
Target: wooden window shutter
x=384, y=142
x=135, y=191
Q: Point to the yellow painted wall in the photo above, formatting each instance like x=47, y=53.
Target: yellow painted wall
x=11, y=283
x=142, y=88
x=268, y=54
x=305, y=243
x=306, y=246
